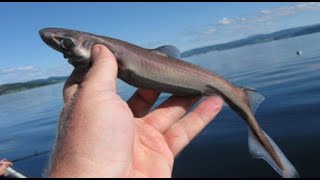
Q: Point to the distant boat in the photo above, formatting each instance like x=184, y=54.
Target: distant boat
x=299, y=53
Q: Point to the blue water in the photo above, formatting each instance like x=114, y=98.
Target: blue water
x=290, y=114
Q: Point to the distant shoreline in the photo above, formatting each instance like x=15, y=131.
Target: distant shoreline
x=21, y=86
x=255, y=39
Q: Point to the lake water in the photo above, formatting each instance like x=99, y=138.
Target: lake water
x=290, y=114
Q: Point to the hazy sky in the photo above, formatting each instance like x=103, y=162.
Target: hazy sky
x=186, y=25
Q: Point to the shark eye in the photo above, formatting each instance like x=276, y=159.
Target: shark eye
x=66, y=43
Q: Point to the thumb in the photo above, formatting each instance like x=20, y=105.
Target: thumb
x=104, y=69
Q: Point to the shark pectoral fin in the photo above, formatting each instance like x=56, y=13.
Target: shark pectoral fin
x=168, y=50
x=259, y=152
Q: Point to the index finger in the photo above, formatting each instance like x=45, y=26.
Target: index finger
x=183, y=132
x=142, y=101
x=8, y=164
x=72, y=83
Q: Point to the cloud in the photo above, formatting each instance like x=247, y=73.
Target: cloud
x=265, y=11
x=225, y=21
x=19, y=74
x=278, y=12
x=290, y=10
x=27, y=73
x=17, y=69
x=64, y=69
x=210, y=31
x=232, y=28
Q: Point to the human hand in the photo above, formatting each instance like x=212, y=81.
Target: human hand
x=4, y=164
x=100, y=135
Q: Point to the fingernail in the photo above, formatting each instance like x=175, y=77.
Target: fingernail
x=96, y=50
x=217, y=102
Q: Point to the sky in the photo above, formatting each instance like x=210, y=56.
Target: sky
x=185, y=25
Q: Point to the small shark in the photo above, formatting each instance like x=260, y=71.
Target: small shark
x=162, y=70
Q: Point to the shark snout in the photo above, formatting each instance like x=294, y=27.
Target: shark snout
x=48, y=33
x=45, y=35
x=51, y=37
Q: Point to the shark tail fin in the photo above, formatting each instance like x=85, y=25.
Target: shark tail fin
x=257, y=150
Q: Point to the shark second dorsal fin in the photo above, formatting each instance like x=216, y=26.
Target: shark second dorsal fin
x=167, y=50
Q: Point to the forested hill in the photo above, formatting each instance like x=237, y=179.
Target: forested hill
x=283, y=34
x=15, y=87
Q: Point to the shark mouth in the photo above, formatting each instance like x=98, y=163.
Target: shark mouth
x=78, y=62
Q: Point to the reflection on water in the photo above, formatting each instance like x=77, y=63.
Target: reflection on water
x=290, y=114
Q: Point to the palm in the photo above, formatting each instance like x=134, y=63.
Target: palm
x=161, y=134
x=151, y=156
